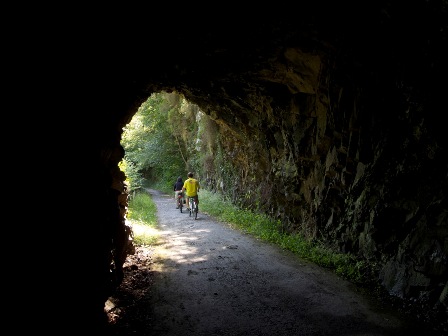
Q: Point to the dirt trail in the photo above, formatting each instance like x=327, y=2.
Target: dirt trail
x=208, y=279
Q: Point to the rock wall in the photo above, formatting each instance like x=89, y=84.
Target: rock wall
x=335, y=163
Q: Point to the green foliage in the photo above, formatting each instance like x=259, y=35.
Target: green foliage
x=169, y=137
x=141, y=208
x=133, y=177
x=152, y=151
x=142, y=215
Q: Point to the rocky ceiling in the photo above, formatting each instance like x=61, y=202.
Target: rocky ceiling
x=318, y=78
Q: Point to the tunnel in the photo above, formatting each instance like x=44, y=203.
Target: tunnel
x=341, y=107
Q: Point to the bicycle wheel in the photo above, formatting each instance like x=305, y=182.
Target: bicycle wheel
x=181, y=204
x=191, y=206
x=195, y=211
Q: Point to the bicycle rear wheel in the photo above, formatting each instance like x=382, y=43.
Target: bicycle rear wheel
x=194, y=209
x=181, y=204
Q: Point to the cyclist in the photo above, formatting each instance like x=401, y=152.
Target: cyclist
x=178, y=189
x=191, y=188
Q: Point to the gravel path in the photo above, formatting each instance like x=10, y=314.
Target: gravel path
x=213, y=280
x=209, y=279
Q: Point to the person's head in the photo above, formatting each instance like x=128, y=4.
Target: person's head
x=179, y=179
x=190, y=174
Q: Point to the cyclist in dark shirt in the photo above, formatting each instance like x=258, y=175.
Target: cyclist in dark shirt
x=178, y=188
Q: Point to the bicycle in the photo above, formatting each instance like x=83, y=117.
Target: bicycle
x=193, y=207
x=180, y=200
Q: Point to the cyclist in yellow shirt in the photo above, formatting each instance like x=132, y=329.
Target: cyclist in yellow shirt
x=191, y=188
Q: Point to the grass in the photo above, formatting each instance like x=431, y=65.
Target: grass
x=142, y=215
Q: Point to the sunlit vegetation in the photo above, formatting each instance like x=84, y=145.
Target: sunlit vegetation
x=169, y=137
x=142, y=216
x=153, y=153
